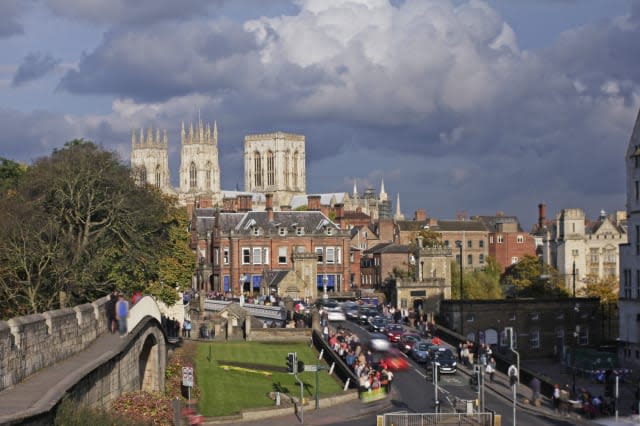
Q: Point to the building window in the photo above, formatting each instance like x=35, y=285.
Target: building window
x=339, y=255
x=158, y=176
x=446, y=243
x=583, y=336
x=469, y=244
x=481, y=243
x=294, y=172
x=270, y=169
x=500, y=239
x=331, y=255
x=257, y=256
x=469, y=259
x=282, y=231
x=534, y=339
x=286, y=169
x=490, y=239
x=143, y=175
x=299, y=231
x=265, y=255
x=207, y=175
x=282, y=255
x=246, y=256
x=514, y=260
x=225, y=255
x=256, y=231
x=193, y=175
x=257, y=169
x=320, y=254
x=520, y=239
x=329, y=231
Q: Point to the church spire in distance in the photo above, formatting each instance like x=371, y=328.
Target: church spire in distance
x=383, y=195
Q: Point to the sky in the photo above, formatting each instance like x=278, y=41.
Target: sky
x=459, y=105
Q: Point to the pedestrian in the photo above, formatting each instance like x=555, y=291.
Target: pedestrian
x=556, y=397
x=122, y=313
x=491, y=369
x=110, y=308
x=535, y=390
x=187, y=326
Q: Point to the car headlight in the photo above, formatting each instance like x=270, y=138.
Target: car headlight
x=454, y=364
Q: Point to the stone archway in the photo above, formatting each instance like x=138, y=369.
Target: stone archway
x=149, y=365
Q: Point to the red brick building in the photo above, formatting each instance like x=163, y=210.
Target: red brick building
x=508, y=243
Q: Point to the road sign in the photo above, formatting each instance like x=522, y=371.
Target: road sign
x=187, y=376
x=311, y=367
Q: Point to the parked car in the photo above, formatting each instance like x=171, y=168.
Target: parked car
x=407, y=340
x=377, y=324
x=420, y=351
x=394, y=331
x=444, y=360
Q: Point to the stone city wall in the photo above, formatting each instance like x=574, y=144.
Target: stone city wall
x=32, y=342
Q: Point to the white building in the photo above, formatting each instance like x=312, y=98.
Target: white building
x=629, y=305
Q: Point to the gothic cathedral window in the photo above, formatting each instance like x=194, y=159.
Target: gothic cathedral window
x=270, y=169
x=158, y=176
x=257, y=165
x=295, y=170
x=193, y=175
x=208, y=175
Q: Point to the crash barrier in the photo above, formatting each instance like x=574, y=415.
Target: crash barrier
x=424, y=419
x=341, y=369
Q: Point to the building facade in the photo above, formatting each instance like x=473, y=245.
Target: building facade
x=275, y=163
x=629, y=303
x=508, y=243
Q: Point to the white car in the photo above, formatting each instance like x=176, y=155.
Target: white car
x=336, y=314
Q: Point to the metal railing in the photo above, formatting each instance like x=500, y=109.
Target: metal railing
x=424, y=419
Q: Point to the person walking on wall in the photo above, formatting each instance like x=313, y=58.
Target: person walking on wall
x=111, y=311
x=122, y=313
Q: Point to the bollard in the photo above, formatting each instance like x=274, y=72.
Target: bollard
x=321, y=352
x=331, y=369
x=278, y=399
x=346, y=384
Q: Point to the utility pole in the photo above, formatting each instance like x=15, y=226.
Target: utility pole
x=459, y=245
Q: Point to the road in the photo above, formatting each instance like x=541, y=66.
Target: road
x=414, y=394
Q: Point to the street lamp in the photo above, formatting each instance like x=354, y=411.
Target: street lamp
x=574, y=334
x=459, y=245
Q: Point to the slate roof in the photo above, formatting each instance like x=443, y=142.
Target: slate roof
x=492, y=222
x=383, y=248
x=458, y=225
x=244, y=223
x=274, y=277
x=411, y=225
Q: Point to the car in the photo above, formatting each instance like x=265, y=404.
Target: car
x=407, y=340
x=394, y=331
x=352, y=312
x=377, y=324
x=444, y=360
x=333, y=309
x=379, y=342
x=420, y=351
x=366, y=312
x=392, y=358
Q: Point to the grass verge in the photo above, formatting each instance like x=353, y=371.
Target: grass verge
x=233, y=376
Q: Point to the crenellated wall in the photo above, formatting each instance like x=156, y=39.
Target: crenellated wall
x=32, y=342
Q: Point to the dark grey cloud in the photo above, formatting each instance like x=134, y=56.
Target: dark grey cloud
x=11, y=12
x=34, y=66
x=123, y=12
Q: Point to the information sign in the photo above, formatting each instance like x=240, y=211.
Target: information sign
x=187, y=376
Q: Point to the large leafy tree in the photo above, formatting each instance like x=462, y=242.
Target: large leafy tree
x=10, y=174
x=482, y=284
x=531, y=278
x=90, y=229
x=606, y=289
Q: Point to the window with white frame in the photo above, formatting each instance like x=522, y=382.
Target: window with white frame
x=520, y=239
x=329, y=231
x=299, y=231
x=225, y=255
x=265, y=255
x=257, y=255
x=500, y=239
x=331, y=253
x=256, y=231
x=481, y=243
x=514, y=260
x=490, y=239
x=339, y=255
x=246, y=256
x=534, y=339
x=320, y=254
x=481, y=258
x=282, y=231
x=282, y=255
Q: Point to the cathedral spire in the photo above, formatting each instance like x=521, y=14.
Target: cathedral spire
x=215, y=132
x=183, y=134
x=133, y=137
x=355, y=188
x=383, y=195
x=399, y=215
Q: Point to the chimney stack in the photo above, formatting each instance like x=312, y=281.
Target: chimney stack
x=541, y=213
x=269, y=206
x=339, y=209
x=313, y=202
x=420, y=215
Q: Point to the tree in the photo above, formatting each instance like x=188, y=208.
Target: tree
x=606, y=289
x=10, y=174
x=95, y=229
x=481, y=284
x=531, y=278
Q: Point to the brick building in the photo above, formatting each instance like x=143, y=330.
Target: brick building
x=508, y=243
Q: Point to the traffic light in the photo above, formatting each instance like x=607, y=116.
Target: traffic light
x=513, y=380
x=292, y=364
x=300, y=366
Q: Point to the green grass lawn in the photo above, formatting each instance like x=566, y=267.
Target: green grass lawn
x=256, y=369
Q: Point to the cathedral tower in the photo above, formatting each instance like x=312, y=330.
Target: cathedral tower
x=150, y=160
x=275, y=163
x=199, y=167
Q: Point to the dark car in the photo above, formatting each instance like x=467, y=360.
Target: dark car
x=444, y=360
x=420, y=351
x=394, y=331
x=407, y=340
x=377, y=324
x=366, y=312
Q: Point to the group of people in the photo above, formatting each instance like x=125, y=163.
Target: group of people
x=586, y=404
x=349, y=348
x=117, y=311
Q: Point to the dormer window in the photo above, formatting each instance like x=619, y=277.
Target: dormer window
x=329, y=231
x=282, y=231
x=256, y=231
x=299, y=230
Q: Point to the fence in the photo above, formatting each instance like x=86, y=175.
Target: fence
x=424, y=419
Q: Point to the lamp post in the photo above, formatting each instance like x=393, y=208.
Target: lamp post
x=574, y=333
x=459, y=245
